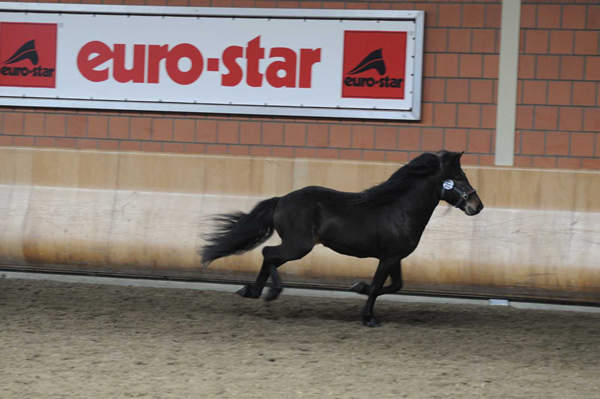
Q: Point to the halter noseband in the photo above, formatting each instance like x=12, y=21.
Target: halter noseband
x=448, y=185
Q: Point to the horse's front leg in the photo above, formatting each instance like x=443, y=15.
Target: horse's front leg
x=396, y=284
x=386, y=267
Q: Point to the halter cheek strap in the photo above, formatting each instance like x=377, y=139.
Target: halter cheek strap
x=448, y=185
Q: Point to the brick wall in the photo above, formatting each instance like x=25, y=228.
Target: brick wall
x=558, y=119
x=459, y=95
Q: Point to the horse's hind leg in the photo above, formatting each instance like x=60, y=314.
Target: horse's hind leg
x=273, y=258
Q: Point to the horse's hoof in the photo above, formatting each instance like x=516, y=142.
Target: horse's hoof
x=273, y=294
x=370, y=322
x=360, y=287
x=247, y=291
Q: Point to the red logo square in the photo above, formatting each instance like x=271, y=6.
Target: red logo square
x=374, y=64
x=27, y=54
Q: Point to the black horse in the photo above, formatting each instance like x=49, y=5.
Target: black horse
x=384, y=222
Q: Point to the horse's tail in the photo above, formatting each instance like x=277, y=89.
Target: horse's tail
x=239, y=232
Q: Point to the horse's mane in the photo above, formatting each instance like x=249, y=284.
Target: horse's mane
x=424, y=165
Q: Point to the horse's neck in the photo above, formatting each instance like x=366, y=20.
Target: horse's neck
x=422, y=201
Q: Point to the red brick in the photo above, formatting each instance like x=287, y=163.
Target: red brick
x=592, y=68
x=141, y=129
x=545, y=118
x=534, y=92
x=446, y=65
x=206, y=131
x=152, y=146
x=42, y=141
x=490, y=66
x=485, y=41
x=431, y=13
x=250, y=133
x=528, y=15
x=571, y=118
x=55, y=125
x=193, y=148
x=547, y=67
x=591, y=121
x=480, y=141
x=295, y=134
x=396, y=156
x=469, y=115
x=98, y=127
x=184, y=130
x=492, y=15
x=561, y=42
x=470, y=159
x=582, y=144
x=559, y=92
x=340, y=136
x=586, y=42
x=481, y=91
x=385, y=137
x=445, y=115
x=6, y=141
x=557, y=143
x=239, y=149
x=473, y=15
x=457, y=90
x=459, y=40
x=283, y=152
x=569, y=163
x=216, y=149
x=162, y=129
x=260, y=151
x=429, y=61
x=573, y=17
x=544, y=162
x=590, y=163
x=548, y=16
x=409, y=138
x=342, y=154
x=536, y=41
x=60, y=142
x=471, y=65
x=34, y=124
x=118, y=127
x=362, y=136
x=374, y=156
x=317, y=135
x=109, y=145
x=571, y=67
x=426, y=114
x=436, y=40
x=77, y=125
x=524, y=117
x=272, y=133
x=432, y=139
x=303, y=152
x=455, y=140
x=85, y=144
x=449, y=15
x=434, y=89
x=488, y=116
x=531, y=143
x=328, y=153
x=526, y=66
x=584, y=93
x=593, y=17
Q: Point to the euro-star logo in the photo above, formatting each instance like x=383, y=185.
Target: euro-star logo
x=98, y=62
x=374, y=64
x=27, y=54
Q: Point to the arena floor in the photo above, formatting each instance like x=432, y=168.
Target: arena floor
x=66, y=340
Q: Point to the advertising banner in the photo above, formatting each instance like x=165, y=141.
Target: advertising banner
x=334, y=63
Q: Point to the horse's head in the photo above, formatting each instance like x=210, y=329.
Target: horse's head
x=456, y=189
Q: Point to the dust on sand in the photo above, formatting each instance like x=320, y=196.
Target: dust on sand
x=60, y=340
